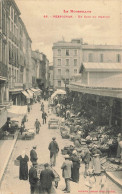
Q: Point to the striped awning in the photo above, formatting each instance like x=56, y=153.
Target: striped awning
x=25, y=94
x=30, y=93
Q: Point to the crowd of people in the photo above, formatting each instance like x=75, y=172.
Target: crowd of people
x=38, y=183
x=41, y=183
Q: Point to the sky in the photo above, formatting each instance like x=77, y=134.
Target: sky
x=93, y=30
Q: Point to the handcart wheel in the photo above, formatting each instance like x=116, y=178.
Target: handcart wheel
x=56, y=184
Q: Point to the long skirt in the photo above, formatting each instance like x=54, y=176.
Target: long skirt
x=75, y=174
x=96, y=165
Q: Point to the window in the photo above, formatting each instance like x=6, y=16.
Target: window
x=75, y=71
x=67, y=61
x=118, y=58
x=67, y=52
x=11, y=12
x=9, y=73
x=90, y=57
x=17, y=76
x=101, y=58
x=67, y=81
x=67, y=72
x=75, y=52
x=59, y=52
x=59, y=62
x=59, y=71
x=4, y=23
x=59, y=83
x=75, y=62
x=3, y=53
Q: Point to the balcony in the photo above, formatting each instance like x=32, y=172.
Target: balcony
x=3, y=70
x=15, y=85
x=18, y=85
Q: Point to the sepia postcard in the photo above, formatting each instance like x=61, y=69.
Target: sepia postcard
x=60, y=96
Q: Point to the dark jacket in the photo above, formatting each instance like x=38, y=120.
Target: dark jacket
x=44, y=115
x=33, y=176
x=33, y=155
x=46, y=178
x=53, y=147
x=87, y=158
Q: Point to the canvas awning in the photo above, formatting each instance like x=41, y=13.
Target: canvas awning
x=30, y=93
x=61, y=92
x=36, y=91
x=25, y=94
x=15, y=111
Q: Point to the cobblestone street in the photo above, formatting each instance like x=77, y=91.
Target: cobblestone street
x=11, y=183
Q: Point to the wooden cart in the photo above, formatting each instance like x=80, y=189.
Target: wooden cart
x=53, y=123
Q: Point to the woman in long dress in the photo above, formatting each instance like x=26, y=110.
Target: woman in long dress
x=23, y=168
x=75, y=168
x=96, y=153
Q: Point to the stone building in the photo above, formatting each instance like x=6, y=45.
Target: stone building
x=40, y=70
x=15, y=58
x=4, y=94
x=68, y=56
x=51, y=76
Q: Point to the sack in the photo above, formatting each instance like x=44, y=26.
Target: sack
x=17, y=162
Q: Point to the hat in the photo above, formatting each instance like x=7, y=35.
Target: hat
x=66, y=156
x=53, y=138
x=74, y=152
x=34, y=163
x=46, y=165
x=34, y=147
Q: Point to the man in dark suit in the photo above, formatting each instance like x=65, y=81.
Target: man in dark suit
x=54, y=149
x=44, y=116
x=33, y=155
x=46, y=178
x=33, y=177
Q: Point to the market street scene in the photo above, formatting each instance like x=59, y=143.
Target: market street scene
x=60, y=97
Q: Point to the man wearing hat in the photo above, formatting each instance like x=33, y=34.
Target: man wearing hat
x=66, y=172
x=46, y=178
x=37, y=125
x=33, y=154
x=33, y=179
x=54, y=149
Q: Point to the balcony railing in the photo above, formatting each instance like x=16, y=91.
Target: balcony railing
x=15, y=85
x=3, y=70
x=18, y=85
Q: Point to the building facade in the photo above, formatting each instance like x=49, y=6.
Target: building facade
x=51, y=76
x=68, y=57
x=19, y=51
x=40, y=70
x=4, y=94
x=15, y=57
x=66, y=61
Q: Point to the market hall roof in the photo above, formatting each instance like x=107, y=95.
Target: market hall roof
x=100, y=91
x=101, y=67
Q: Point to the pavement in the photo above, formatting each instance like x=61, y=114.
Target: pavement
x=10, y=181
x=6, y=149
